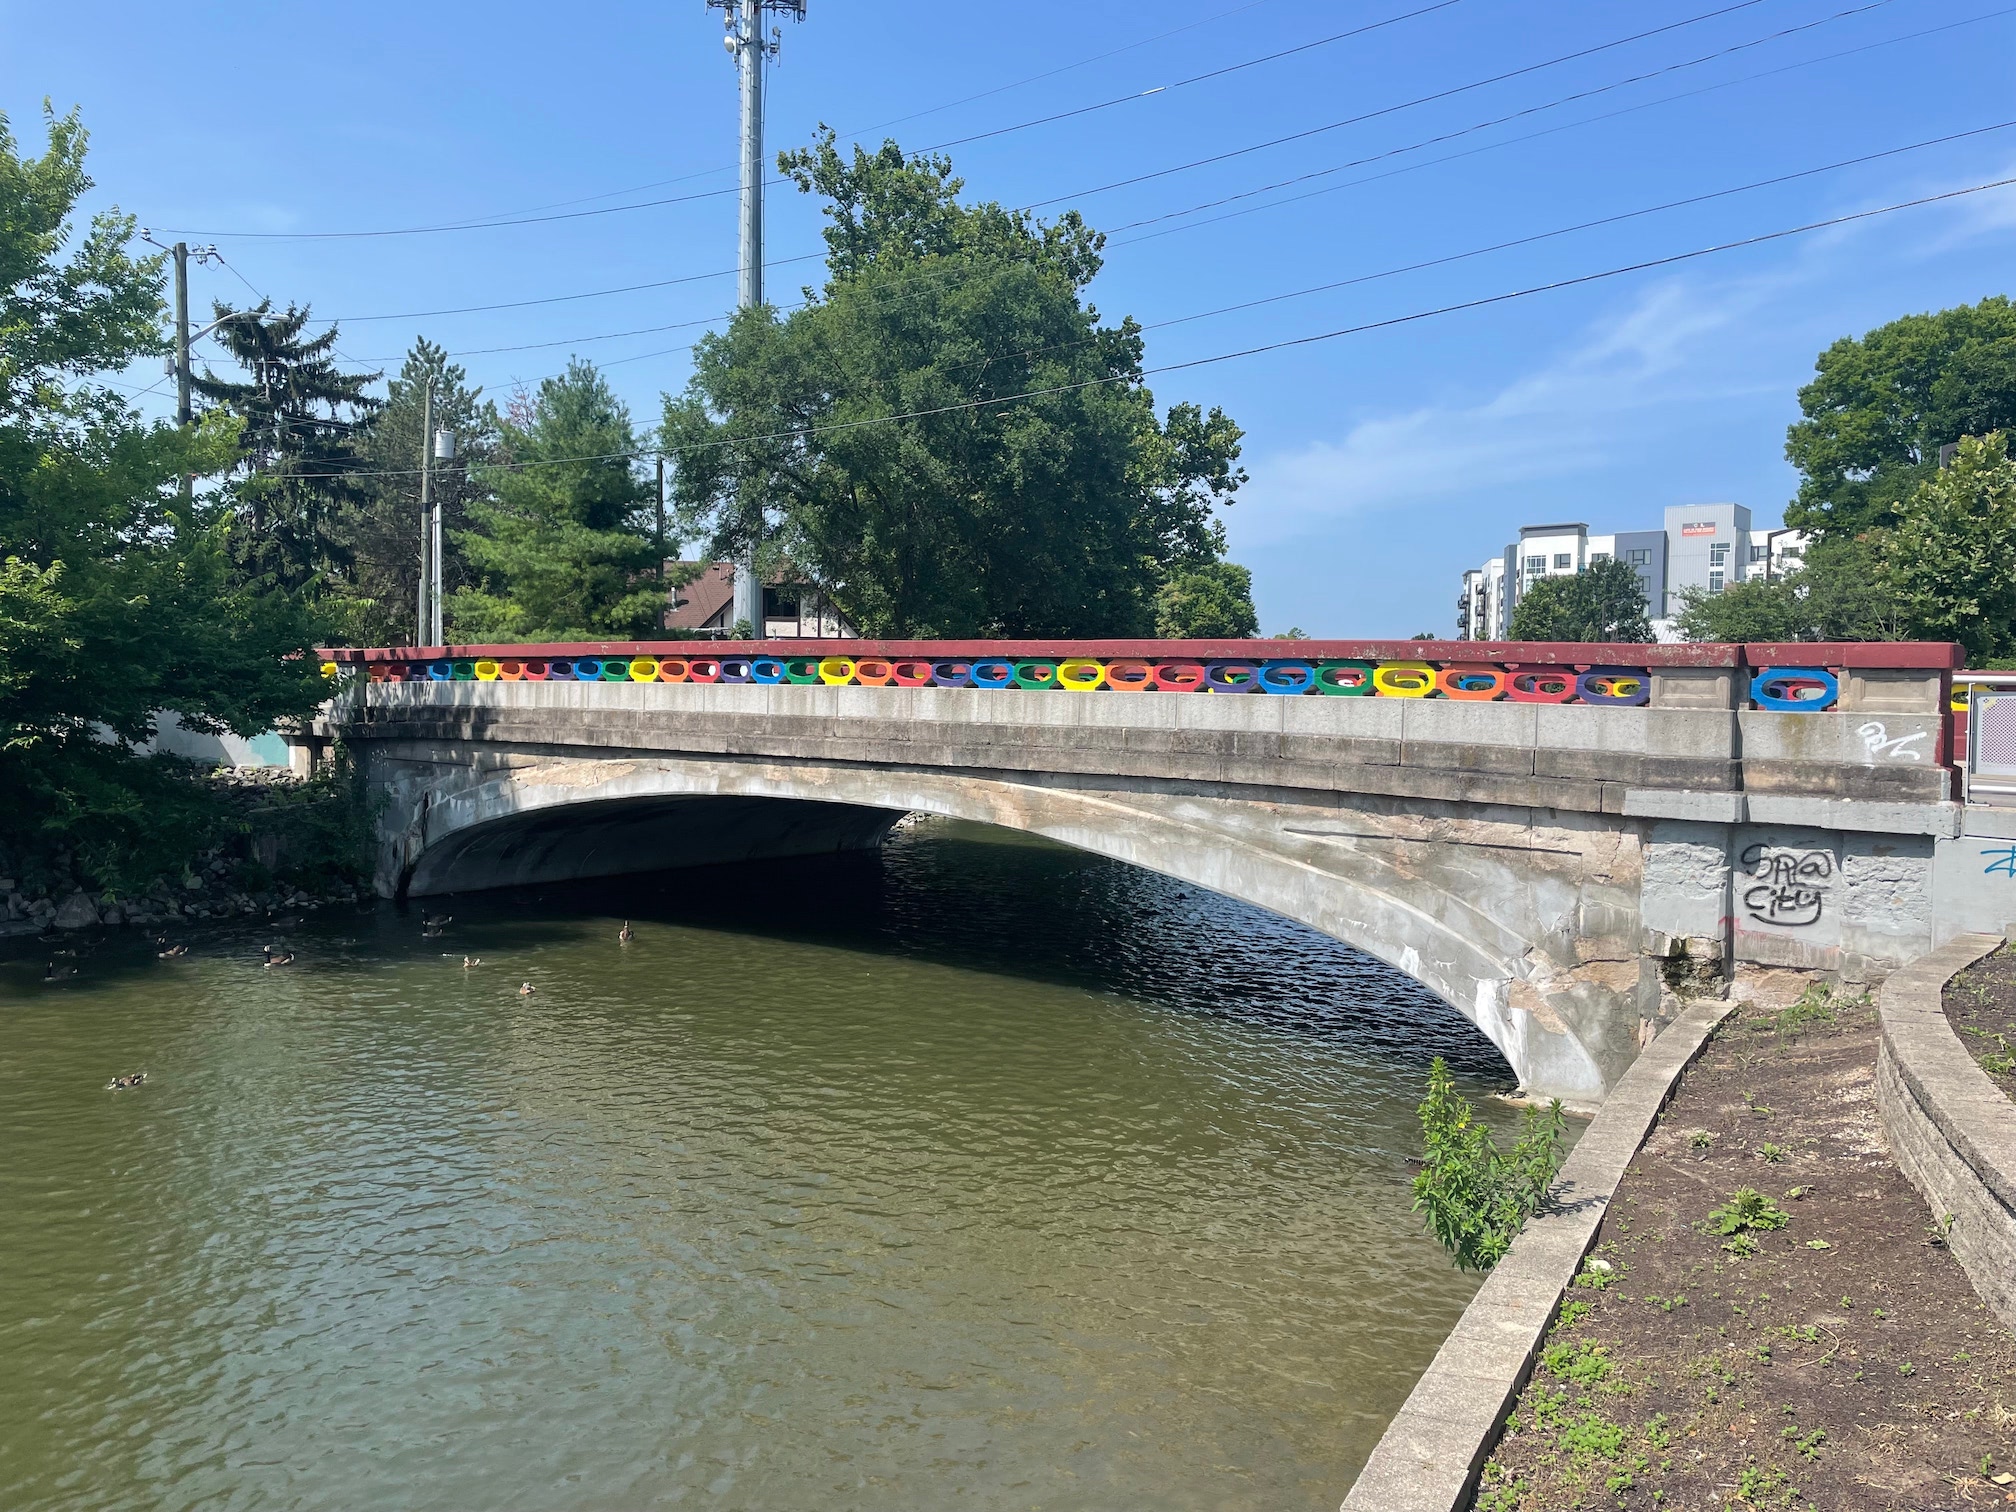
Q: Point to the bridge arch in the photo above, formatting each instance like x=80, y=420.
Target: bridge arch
x=558, y=818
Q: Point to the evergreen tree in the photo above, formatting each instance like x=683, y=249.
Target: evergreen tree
x=560, y=546
x=298, y=476
x=382, y=532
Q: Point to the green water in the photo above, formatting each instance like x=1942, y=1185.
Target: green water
x=975, y=1174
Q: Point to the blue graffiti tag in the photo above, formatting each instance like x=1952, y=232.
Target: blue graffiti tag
x=2004, y=861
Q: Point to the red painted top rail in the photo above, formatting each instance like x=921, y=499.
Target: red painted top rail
x=1927, y=655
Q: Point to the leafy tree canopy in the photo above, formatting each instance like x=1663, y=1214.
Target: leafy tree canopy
x=981, y=512
x=297, y=479
x=1835, y=595
x=1945, y=571
x=1211, y=602
x=1949, y=565
x=1880, y=407
x=116, y=600
x=559, y=544
x=1603, y=602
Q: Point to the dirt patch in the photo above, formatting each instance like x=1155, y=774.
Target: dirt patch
x=1980, y=1004
x=1769, y=1319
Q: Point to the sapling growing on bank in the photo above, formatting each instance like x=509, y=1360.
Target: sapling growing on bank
x=1476, y=1197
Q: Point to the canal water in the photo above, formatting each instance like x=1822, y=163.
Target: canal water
x=975, y=1174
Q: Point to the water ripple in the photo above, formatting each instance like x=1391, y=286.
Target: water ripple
x=977, y=1174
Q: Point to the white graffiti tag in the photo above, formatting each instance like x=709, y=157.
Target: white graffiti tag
x=1877, y=741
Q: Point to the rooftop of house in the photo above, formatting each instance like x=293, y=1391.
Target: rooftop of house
x=696, y=604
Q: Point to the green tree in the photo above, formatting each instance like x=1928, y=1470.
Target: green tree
x=559, y=544
x=1880, y=407
x=979, y=512
x=1836, y=594
x=1211, y=602
x=297, y=483
x=1949, y=564
x=1603, y=602
x=116, y=601
x=382, y=530
x=1475, y=1197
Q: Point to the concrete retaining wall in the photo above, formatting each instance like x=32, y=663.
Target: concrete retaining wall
x=1952, y=1131
x=1430, y=1456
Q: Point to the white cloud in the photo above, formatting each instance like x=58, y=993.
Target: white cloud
x=1568, y=417
x=1673, y=353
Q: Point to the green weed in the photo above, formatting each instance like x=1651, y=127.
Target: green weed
x=1747, y=1211
x=1814, y=1007
x=1586, y=1364
x=1591, y=1437
x=1475, y=1197
x=2002, y=1060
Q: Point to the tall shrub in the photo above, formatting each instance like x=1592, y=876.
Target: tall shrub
x=1475, y=1197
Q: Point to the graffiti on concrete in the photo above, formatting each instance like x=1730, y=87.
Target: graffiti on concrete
x=1878, y=741
x=1789, y=887
x=2000, y=858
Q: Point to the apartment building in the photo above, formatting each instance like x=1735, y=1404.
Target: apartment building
x=1701, y=546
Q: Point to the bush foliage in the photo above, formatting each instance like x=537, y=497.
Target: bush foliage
x=1475, y=1197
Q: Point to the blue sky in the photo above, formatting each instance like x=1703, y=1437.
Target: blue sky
x=1382, y=464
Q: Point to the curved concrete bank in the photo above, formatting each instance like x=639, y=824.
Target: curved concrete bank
x=1430, y=1456
x=1952, y=1131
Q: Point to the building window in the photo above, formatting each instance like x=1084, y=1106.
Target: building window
x=1563, y=561
x=1757, y=553
x=1598, y=556
x=1640, y=556
x=1715, y=581
x=1718, y=555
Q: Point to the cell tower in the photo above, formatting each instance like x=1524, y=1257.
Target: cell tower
x=751, y=50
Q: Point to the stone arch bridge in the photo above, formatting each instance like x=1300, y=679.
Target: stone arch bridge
x=1555, y=850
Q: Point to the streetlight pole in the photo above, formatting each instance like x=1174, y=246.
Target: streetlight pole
x=424, y=630
x=751, y=50
x=658, y=541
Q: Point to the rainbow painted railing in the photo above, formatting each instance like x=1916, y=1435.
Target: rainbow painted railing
x=1793, y=678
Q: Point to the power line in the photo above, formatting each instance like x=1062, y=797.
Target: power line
x=477, y=222
x=1519, y=241
x=1444, y=94
x=1415, y=267
x=1416, y=146
x=859, y=131
x=1216, y=73
x=1521, y=114
x=1608, y=115
x=496, y=224
x=1486, y=301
